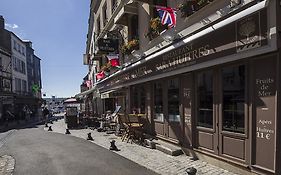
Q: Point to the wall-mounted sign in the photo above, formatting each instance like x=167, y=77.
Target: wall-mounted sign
x=6, y=84
x=86, y=59
x=265, y=87
x=108, y=45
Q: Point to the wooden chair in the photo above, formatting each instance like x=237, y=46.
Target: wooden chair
x=135, y=128
x=123, y=120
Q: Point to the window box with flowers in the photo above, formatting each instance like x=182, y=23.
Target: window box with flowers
x=106, y=68
x=188, y=7
x=155, y=28
x=130, y=46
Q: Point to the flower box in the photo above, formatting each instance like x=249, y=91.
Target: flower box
x=155, y=28
x=130, y=46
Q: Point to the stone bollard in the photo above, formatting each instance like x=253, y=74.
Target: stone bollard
x=67, y=131
x=191, y=171
x=50, y=128
x=89, y=137
x=113, y=146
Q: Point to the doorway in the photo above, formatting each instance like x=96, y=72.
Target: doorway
x=166, y=112
x=222, y=112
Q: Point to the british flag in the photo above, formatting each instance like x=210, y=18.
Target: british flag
x=167, y=15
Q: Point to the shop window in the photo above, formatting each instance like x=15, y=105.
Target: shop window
x=233, y=82
x=109, y=104
x=138, y=99
x=205, y=99
x=173, y=100
x=158, y=102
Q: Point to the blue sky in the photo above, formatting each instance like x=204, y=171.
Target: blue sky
x=57, y=29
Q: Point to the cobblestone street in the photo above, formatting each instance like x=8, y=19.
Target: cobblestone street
x=150, y=158
x=7, y=165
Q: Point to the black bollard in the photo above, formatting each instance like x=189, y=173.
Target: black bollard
x=50, y=128
x=46, y=125
x=67, y=131
x=89, y=137
x=113, y=146
x=191, y=171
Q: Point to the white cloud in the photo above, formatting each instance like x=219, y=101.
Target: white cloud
x=12, y=26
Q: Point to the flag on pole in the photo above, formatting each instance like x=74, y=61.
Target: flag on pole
x=168, y=16
x=100, y=75
x=88, y=83
x=114, y=60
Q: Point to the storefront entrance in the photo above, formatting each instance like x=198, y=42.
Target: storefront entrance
x=221, y=112
x=168, y=123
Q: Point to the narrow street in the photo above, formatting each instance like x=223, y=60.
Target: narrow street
x=39, y=152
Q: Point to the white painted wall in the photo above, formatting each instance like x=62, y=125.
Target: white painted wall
x=18, y=54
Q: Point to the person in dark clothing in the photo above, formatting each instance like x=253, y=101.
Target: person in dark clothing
x=45, y=114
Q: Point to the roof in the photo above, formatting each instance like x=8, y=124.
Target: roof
x=71, y=100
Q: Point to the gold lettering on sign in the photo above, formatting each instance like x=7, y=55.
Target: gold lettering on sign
x=186, y=54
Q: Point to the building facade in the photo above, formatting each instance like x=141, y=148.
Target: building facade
x=20, y=70
x=6, y=94
x=34, y=85
x=209, y=85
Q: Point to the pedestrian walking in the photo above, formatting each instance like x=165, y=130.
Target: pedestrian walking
x=45, y=114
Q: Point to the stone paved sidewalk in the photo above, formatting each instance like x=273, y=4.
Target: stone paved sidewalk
x=152, y=159
x=7, y=165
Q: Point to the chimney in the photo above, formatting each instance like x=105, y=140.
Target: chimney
x=2, y=22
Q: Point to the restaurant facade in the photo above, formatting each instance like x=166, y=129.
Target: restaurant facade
x=213, y=92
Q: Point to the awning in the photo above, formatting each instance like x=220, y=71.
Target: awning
x=112, y=94
x=129, y=9
x=122, y=80
x=84, y=94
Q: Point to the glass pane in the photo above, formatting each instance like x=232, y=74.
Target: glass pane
x=138, y=99
x=233, y=98
x=158, y=102
x=142, y=100
x=173, y=100
x=205, y=99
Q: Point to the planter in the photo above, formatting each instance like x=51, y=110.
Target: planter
x=130, y=46
x=155, y=28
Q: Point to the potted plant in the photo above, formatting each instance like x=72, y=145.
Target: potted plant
x=155, y=28
x=130, y=46
x=106, y=68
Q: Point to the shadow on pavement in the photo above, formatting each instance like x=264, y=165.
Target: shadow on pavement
x=20, y=125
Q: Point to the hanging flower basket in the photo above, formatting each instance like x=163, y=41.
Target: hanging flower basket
x=188, y=7
x=130, y=46
x=155, y=28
